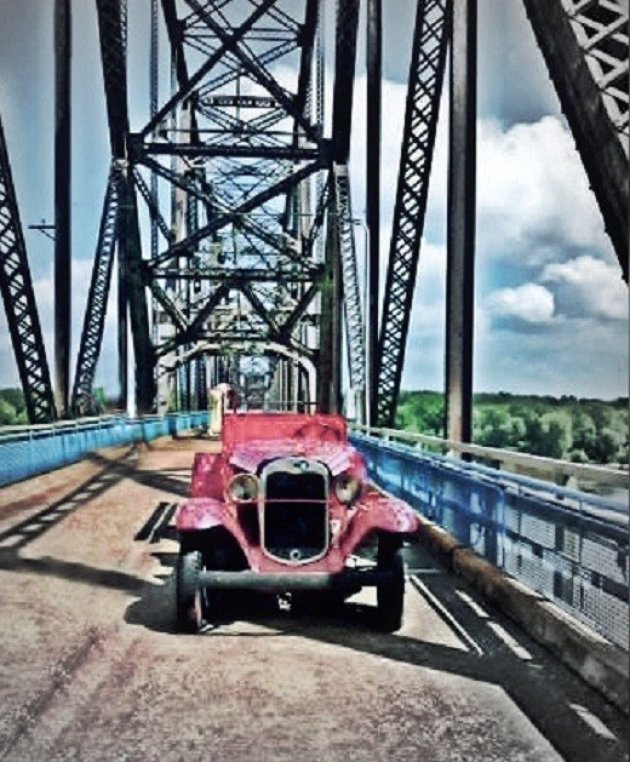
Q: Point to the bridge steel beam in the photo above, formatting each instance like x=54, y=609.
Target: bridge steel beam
x=461, y=222
x=373, y=195
x=426, y=75
x=19, y=302
x=92, y=335
x=112, y=18
x=351, y=292
x=329, y=359
x=600, y=133
x=345, y=57
x=63, y=207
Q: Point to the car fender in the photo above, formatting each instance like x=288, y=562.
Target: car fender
x=207, y=478
x=197, y=514
x=376, y=512
x=204, y=513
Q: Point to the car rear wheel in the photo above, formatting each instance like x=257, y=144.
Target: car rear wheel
x=390, y=593
x=191, y=599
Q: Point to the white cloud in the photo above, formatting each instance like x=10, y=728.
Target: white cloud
x=596, y=286
x=529, y=302
x=533, y=193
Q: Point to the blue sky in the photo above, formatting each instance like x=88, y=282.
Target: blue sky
x=551, y=307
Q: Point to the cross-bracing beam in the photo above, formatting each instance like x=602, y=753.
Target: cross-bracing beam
x=248, y=264
x=585, y=45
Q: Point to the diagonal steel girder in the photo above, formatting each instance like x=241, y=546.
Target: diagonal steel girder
x=186, y=245
x=19, y=301
x=112, y=22
x=229, y=42
x=585, y=46
x=355, y=331
x=112, y=18
x=94, y=321
x=426, y=74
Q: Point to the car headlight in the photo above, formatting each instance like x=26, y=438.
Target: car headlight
x=243, y=488
x=347, y=488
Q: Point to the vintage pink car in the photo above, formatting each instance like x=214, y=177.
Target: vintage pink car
x=286, y=507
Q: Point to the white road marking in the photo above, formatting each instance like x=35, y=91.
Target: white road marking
x=593, y=722
x=479, y=610
x=510, y=642
x=446, y=615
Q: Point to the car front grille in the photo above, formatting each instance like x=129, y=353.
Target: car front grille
x=294, y=516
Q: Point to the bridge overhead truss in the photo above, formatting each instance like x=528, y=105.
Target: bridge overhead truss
x=240, y=144
x=237, y=269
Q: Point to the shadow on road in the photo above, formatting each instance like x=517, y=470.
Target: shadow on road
x=544, y=690
x=25, y=532
x=156, y=479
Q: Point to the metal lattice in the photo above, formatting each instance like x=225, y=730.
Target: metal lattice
x=585, y=45
x=240, y=149
x=19, y=301
x=92, y=334
x=425, y=85
x=601, y=29
x=351, y=291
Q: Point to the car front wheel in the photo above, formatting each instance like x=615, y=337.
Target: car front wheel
x=191, y=599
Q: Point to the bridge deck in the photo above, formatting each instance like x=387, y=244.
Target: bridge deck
x=91, y=667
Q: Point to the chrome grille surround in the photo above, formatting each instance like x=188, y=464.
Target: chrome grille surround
x=293, y=510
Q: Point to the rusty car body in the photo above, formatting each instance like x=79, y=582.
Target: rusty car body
x=286, y=507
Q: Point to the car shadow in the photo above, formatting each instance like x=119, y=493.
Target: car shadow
x=545, y=691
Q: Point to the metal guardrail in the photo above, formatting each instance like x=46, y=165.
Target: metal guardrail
x=557, y=471
x=570, y=546
x=26, y=451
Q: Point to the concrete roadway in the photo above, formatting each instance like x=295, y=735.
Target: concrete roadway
x=91, y=667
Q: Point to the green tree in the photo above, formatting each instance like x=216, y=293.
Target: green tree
x=8, y=414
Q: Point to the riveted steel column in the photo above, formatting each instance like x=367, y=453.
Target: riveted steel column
x=63, y=52
x=373, y=178
x=329, y=365
x=461, y=222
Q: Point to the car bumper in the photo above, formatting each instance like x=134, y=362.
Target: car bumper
x=348, y=580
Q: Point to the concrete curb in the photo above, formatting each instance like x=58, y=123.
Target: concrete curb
x=601, y=664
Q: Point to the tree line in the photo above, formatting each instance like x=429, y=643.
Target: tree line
x=568, y=428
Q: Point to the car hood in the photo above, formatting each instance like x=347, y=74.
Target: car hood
x=249, y=456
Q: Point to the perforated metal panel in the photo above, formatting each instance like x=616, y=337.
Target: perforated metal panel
x=43, y=449
x=573, y=558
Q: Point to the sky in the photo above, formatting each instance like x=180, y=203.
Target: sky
x=551, y=308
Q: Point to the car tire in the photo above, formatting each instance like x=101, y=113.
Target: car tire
x=191, y=599
x=390, y=593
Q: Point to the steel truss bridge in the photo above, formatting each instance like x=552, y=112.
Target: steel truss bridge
x=245, y=270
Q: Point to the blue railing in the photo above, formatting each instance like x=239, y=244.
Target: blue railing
x=37, y=449
x=570, y=546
